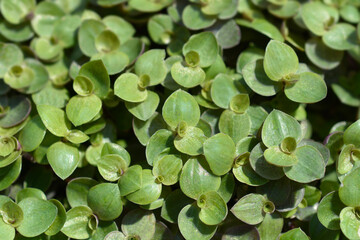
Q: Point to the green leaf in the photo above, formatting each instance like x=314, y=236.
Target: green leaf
x=229, y=122
x=167, y=169
x=10, y=173
x=280, y=61
x=7, y=231
x=271, y=227
x=223, y=89
x=131, y=180
x=77, y=190
x=187, y=76
x=30, y=192
x=173, y=204
x=16, y=11
x=81, y=110
x=205, y=45
x=299, y=90
x=293, y=234
x=189, y=140
x=180, y=106
x=10, y=55
x=275, y=156
x=256, y=78
x=114, y=61
x=38, y=216
x=103, y=229
x=111, y=167
x=285, y=194
x=115, y=235
x=88, y=31
x=191, y=226
x=98, y=75
x=278, y=126
x=249, y=55
x=227, y=186
x=145, y=129
x=249, y=209
x=78, y=222
x=131, y=88
x=329, y=211
x=197, y=179
x=310, y=165
x=213, y=208
x=349, y=222
x=77, y=136
x=350, y=13
x=139, y=223
x=160, y=141
x=349, y=192
x=351, y=133
x=195, y=19
x=63, y=159
x=32, y=134
x=20, y=108
x=262, y=167
x=341, y=36
x=219, y=151
x=11, y=213
x=54, y=120
x=150, y=189
x=321, y=55
x=104, y=199
x=152, y=65
x=144, y=110
x=59, y=221
x=316, y=17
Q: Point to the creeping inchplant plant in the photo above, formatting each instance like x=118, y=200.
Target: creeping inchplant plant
x=174, y=119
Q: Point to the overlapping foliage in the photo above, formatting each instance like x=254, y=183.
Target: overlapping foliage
x=164, y=119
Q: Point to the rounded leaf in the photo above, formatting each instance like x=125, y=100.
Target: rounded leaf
x=280, y=61
x=190, y=225
x=205, y=45
x=139, y=223
x=249, y=209
x=63, y=159
x=167, y=169
x=38, y=216
x=329, y=210
x=152, y=65
x=144, y=110
x=81, y=110
x=78, y=222
x=105, y=201
x=128, y=87
x=219, y=151
x=197, y=179
x=299, y=90
x=213, y=208
x=349, y=192
x=181, y=106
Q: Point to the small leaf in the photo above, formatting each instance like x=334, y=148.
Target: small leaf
x=111, y=167
x=191, y=226
x=278, y=126
x=54, y=120
x=275, y=156
x=131, y=180
x=229, y=122
x=310, y=165
x=249, y=209
x=280, y=61
x=78, y=222
x=63, y=159
x=299, y=90
x=296, y=233
x=77, y=191
x=205, y=45
x=38, y=216
x=187, y=76
x=139, y=223
x=181, y=106
x=349, y=192
x=167, y=169
x=196, y=178
x=195, y=19
x=144, y=110
x=32, y=134
x=96, y=72
x=131, y=88
x=213, y=208
x=349, y=222
x=152, y=65
x=81, y=110
x=329, y=211
x=219, y=151
x=189, y=140
x=104, y=199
